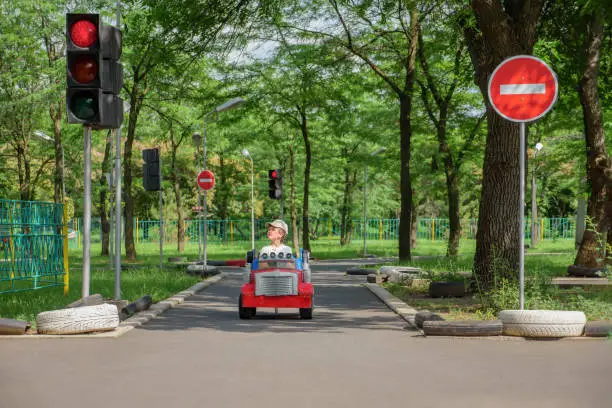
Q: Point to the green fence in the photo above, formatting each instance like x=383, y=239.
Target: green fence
x=31, y=245
x=239, y=230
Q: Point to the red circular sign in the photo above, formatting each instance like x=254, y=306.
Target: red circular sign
x=206, y=180
x=523, y=88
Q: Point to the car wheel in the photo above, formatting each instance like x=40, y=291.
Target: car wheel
x=85, y=319
x=245, y=312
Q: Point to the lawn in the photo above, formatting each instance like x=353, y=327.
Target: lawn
x=143, y=276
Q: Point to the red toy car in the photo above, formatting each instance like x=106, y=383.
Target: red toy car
x=277, y=283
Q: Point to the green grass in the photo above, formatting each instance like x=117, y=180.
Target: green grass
x=595, y=302
x=144, y=277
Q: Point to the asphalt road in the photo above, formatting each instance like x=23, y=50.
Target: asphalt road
x=354, y=353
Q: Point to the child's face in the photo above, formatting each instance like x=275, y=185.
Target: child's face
x=275, y=234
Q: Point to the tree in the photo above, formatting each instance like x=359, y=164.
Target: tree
x=494, y=31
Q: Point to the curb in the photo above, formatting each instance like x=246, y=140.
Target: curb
x=134, y=321
x=407, y=313
x=398, y=306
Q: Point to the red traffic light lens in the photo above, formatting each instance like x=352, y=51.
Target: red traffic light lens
x=83, y=33
x=273, y=174
x=84, y=69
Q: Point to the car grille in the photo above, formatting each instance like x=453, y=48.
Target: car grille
x=276, y=284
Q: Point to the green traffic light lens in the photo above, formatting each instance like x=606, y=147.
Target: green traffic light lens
x=84, y=105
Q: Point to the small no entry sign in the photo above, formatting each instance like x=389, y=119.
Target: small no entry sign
x=523, y=88
x=206, y=180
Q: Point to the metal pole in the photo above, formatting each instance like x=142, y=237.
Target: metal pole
x=63, y=176
x=522, y=218
x=205, y=194
x=117, y=180
x=252, y=206
x=161, y=217
x=365, y=186
x=86, y=210
x=534, y=210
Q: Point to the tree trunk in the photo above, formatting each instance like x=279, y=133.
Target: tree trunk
x=598, y=162
x=454, y=215
x=414, y=227
x=180, y=234
x=499, y=33
x=136, y=97
x=56, y=117
x=102, y=209
x=405, y=223
x=294, y=227
x=305, y=226
x=345, y=210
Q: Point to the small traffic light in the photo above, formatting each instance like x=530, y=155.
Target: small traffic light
x=94, y=77
x=151, y=177
x=275, y=184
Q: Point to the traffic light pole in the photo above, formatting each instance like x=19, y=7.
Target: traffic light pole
x=86, y=210
x=117, y=180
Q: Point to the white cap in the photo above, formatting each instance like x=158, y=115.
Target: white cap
x=279, y=224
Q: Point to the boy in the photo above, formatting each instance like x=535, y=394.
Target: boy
x=277, y=230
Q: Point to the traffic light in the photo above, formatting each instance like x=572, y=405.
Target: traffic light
x=94, y=77
x=151, y=178
x=275, y=184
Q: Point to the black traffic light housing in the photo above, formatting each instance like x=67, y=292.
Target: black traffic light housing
x=275, y=184
x=94, y=77
x=151, y=177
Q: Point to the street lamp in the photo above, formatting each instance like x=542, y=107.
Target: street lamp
x=365, y=184
x=534, y=208
x=50, y=139
x=245, y=153
x=232, y=103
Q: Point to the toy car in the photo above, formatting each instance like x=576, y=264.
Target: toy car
x=280, y=282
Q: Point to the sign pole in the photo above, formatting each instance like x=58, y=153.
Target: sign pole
x=204, y=196
x=86, y=210
x=522, y=89
x=161, y=218
x=522, y=217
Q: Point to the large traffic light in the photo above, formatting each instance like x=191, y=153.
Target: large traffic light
x=94, y=77
x=151, y=178
x=275, y=184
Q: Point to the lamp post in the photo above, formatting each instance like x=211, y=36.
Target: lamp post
x=245, y=153
x=534, y=208
x=47, y=138
x=232, y=103
x=365, y=185
x=197, y=140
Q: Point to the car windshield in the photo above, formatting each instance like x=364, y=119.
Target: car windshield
x=277, y=263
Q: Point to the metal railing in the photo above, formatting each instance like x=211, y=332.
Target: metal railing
x=239, y=230
x=33, y=245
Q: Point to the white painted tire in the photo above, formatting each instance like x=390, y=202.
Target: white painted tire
x=78, y=320
x=542, y=323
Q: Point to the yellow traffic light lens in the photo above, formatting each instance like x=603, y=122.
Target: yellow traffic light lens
x=84, y=69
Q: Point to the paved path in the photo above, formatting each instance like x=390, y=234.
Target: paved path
x=355, y=353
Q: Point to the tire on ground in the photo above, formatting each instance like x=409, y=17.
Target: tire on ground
x=579, y=270
x=360, y=271
x=86, y=319
x=446, y=289
x=600, y=328
x=463, y=328
x=425, y=316
x=542, y=323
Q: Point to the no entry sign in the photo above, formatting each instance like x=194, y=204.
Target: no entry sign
x=206, y=180
x=523, y=88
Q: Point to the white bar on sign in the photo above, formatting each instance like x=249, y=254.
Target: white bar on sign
x=520, y=89
x=202, y=180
